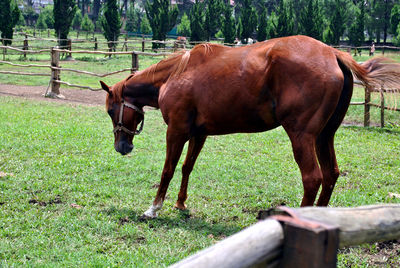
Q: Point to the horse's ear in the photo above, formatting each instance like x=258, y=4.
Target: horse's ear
x=105, y=87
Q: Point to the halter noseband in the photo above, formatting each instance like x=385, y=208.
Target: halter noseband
x=120, y=126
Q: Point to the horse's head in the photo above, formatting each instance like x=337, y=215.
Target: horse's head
x=126, y=116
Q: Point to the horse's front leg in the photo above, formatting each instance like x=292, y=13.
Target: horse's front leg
x=195, y=145
x=175, y=143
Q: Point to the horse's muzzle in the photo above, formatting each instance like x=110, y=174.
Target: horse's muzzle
x=124, y=147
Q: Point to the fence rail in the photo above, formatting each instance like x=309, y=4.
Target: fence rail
x=301, y=237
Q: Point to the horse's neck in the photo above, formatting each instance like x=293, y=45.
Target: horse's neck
x=159, y=73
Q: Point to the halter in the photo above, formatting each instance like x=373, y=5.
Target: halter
x=120, y=126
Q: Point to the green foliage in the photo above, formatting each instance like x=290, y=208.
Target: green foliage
x=132, y=20
x=262, y=26
x=184, y=26
x=87, y=24
x=396, y=39
x=111, y=23
x=29, y=15
x=380, y=15
x=394, y=18
x=311, y=22
x=228, y=25
x=41, y=22
x=162, y=18
x=47, y=12
x=336, y=26
x=271, y=25
x=248, y=19
x=64, y=12
x=196, y=16
x=239, y=27
x=356, y=32
x=9, y=17
x=145, y=26
x=213, y=17
x=285, y=20
x=77, y=21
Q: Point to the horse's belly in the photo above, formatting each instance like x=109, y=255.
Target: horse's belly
x=237, y=121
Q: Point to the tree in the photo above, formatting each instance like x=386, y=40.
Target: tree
x=311, y=21
x=47, y=12
x=41, y=22
x=356, y=31
x=285, y=23
x=228, y=27
x=162, y=18
x=381, y=17
x=271, y=25
x=213, y=14
x=9, y=17
x=394, y=18
x=337, y=25
x=132, y=19
x=77, y=21
x=87, y=24
x=262, y=26
x=145, y=26
x=111, y=23
x=64, y=12
x=184, y=26
x=96, y=10
x=196, y=17
x=248, y=19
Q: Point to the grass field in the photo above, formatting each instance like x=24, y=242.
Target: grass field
x=68, y=199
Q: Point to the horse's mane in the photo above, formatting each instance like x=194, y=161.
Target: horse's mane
x=117, y=89
x=180, y=60
x=174, y=66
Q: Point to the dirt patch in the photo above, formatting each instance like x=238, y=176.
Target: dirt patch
x=77, y=96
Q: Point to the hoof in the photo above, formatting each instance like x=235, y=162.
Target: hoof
x=145, y=217
x=180, y=206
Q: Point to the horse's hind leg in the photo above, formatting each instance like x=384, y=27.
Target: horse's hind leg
x=195, y=145
x=327, y=160
x=325, y=142
x=304, y=153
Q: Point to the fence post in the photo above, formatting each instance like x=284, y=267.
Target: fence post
x=143, y=44
x=26, y=45
x=135, y=62
x=55, y=74
x=382, y=107
x=366, y=107
x=95, y=44
x=69, y=47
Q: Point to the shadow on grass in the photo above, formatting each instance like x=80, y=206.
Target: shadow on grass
x=183, y=220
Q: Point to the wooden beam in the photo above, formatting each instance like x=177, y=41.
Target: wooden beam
x=259, y=244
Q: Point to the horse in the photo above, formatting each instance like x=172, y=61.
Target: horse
x=295, y=82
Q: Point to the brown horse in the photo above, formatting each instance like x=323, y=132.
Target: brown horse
x=295, y=82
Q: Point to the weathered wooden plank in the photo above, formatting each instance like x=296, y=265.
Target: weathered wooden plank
x=358, y=225
x=254, y=246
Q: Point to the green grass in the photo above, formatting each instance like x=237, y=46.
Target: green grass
x=70, y=200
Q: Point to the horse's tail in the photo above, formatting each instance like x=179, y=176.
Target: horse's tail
x=374, y=73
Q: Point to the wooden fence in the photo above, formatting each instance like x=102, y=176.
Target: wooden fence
x=125, y=44
x=55, y=73
x=301, y=237
x=382, y=106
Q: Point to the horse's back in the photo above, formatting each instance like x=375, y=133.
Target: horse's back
x=257, y=87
